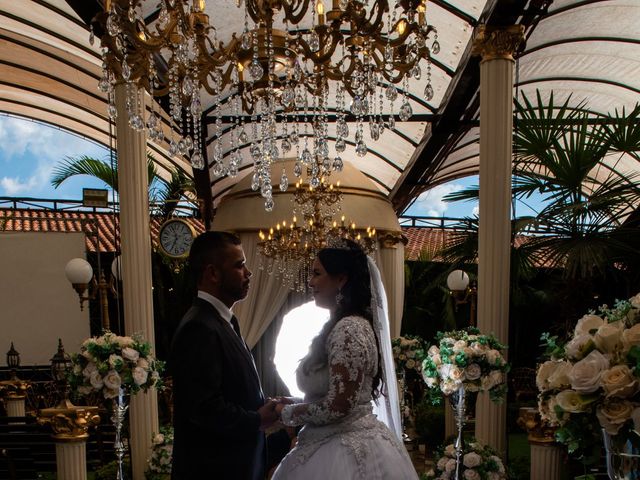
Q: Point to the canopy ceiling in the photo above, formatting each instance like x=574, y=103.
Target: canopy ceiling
x=588, y=48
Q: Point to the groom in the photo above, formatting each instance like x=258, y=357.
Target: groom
x=219, y=408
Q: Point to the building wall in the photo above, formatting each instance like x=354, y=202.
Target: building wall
x=37, y=303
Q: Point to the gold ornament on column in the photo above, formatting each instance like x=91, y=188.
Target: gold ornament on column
x=14, y=388
x=539, y=432
x=492, y=42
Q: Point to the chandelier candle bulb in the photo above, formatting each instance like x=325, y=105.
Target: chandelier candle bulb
x=320, y=10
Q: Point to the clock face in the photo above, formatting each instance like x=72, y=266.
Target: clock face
x=176, y=237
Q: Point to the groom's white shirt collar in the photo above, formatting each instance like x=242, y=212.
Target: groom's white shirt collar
x=217, y=304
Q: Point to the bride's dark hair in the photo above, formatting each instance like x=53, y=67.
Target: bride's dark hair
x=356, y=300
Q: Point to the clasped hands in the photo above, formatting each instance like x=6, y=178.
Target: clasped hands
x=271, y=410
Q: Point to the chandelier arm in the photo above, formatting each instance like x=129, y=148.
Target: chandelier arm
x=367, y=26
x=289, y=10
x=323, y=32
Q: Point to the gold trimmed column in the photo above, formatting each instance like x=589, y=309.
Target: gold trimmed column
x=136, y=267
x=496, y=45
x=14, y=395
x=391, y=266
x=546, y=454
x=70, y=425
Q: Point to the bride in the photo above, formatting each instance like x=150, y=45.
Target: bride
x=342, y=439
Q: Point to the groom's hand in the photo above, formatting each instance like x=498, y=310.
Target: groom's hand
x=268, y=414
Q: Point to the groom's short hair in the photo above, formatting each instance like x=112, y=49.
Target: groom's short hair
x=207, y=249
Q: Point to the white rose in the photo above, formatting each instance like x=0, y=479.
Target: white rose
x=546, y=407
x=559, y=378
x=544, y=372
x=448, y=387
x=478, y=349
x=77, y=369
x=411, y=354
x=158, y=438
x=493, y=357
x=630, y=337
x=450, y=450
x=459, y=346
x=635, y=416
x=112, y=380
x=471, y=474
x=588, y=323
x=635, y=301
x=494, y=378
x=436, y=359
x=570, y=401
x=142, y=363
x=473, y=371
x=608, y=338
x=114, y=360
x=130, y=354
x=411, y=363
x=155, y=376
x=472, y=387
x=89, y=369
x=430, y=381
x=471, y=460
x=613, y=414
x=619, y=381
x=450, y=466
x=442, y=463
x=579, y=345
x=451, y=372
x=402, y=356
x=433, y=350
x=493, y=476
x=124, y=342
x=96, y=380
x=139, y=376
x=85, y=390
x=585, y=374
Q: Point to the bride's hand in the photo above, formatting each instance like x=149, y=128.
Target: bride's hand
x=285, y=400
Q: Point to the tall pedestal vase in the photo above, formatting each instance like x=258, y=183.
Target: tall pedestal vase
x=120, y=406
x=623, y=457
x=462, y=402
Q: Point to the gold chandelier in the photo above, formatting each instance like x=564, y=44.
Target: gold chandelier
x=287, y=72
x=290, y=247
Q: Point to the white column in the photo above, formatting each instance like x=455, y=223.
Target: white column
x=546, y=461
x=136, y=268
x=494, y=243
x=71, y=459
x=15, y=406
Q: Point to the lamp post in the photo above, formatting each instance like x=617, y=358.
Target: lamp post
x=463, y=291
x=80, y=273
x=70, y=423
x=14, y=390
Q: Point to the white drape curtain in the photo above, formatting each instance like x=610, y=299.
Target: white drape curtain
x=390, y=262
x=266, y=295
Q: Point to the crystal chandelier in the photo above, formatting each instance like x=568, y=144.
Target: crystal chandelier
x=290, y=247
x=281, y=81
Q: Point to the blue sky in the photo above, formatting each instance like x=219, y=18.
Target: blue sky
x=29, y=152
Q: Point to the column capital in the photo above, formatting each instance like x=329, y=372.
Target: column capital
x=539, y=431
x=391, y=239
x=14, y=389
x=493, y=42
x=69, y=423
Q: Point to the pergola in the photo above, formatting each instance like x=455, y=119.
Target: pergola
x=582, y=49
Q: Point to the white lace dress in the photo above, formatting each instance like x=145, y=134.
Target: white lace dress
x=341, y=438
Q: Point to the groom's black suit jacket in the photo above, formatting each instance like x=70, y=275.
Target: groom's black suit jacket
x=216, y=395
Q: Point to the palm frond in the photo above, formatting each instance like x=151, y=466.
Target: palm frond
x=84, y=165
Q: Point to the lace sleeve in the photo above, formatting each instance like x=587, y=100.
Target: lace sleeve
x=347, y=346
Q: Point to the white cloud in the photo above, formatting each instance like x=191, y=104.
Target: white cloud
x=430, y=203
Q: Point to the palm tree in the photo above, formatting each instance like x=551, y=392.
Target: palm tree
x=560, y=154
x=165, y=193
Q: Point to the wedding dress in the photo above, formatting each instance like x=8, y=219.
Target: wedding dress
x=342, y=439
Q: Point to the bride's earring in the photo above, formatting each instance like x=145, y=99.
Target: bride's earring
x=339, y=297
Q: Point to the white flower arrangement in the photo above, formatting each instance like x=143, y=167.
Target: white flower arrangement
x=466, y=358
x=478, y=463
x=109, y=362
x=593, y=380
x=159, y=463
x=408, y=353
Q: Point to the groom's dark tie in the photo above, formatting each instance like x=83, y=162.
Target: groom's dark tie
x=236, y=325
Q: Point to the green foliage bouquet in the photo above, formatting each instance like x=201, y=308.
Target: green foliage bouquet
x=593, y=381
x=478, y=463
x=465, y=358
x=408, y=353
x=109, y=362
x=159, y=464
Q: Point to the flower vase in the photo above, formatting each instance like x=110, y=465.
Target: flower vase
x=120, y=406
x=623, y=457
x=462, y=402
